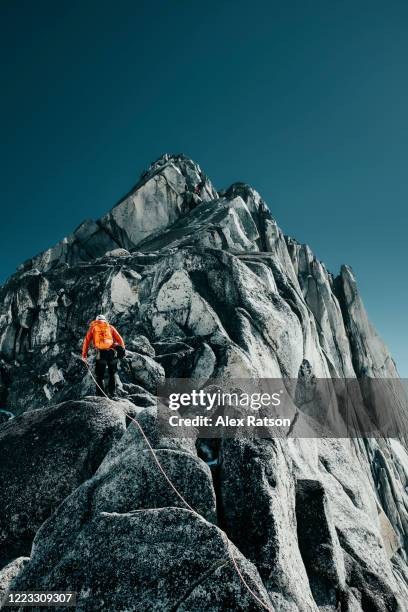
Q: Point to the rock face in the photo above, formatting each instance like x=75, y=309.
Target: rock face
x=150, y=566
x=45, y=455
x=126, y=504
x=202, y=285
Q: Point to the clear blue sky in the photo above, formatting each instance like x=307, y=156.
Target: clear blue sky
x=306, y=101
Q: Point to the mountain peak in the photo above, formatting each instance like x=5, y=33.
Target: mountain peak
x=203, y=286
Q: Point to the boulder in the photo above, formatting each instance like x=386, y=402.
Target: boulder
x=8, y=573
x=258, y=510
x=146, y=371
x=45, y=455
x=163, y=559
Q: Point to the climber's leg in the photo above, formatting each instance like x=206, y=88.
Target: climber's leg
x=100, y=368
x=112, y=369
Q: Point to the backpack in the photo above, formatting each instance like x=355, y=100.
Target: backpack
x=102, y=335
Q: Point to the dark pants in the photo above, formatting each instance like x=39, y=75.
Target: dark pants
x=106, y=359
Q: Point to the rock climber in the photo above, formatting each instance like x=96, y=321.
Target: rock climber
x=109, y=346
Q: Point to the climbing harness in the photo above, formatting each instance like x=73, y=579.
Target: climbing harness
x=185, y=502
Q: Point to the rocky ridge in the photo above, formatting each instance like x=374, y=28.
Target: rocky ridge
x=203, y=285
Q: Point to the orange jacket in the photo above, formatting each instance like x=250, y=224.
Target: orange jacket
x=89, y=336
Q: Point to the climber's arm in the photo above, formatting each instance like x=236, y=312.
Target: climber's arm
x=86, y=343
x=117, y=337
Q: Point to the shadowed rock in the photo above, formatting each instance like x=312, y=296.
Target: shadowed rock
x=45, y=455
x=166, y=559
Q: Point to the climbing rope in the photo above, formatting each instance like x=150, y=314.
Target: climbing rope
x=185, y=502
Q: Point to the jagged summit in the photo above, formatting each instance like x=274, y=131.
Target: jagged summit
x=174, y=203
x=180, y=160
x=187, y=167
x=169, y=189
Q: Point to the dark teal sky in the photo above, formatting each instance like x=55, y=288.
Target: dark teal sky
x=306, y=101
